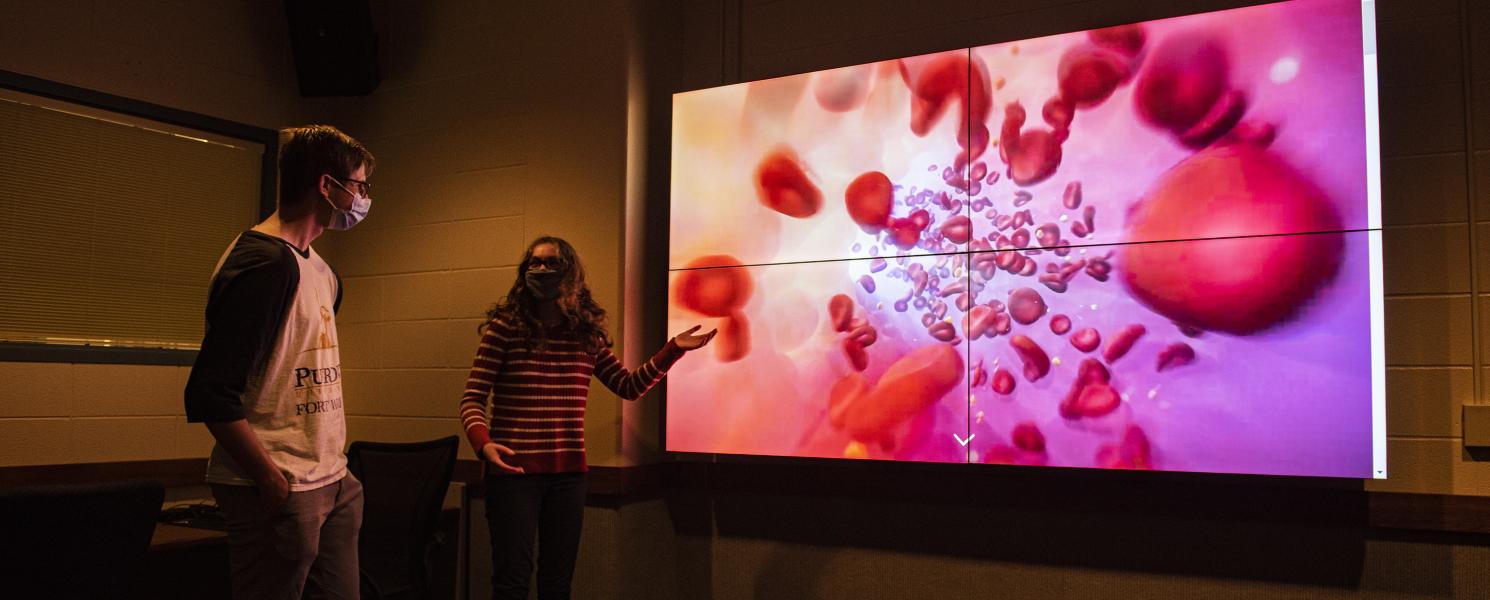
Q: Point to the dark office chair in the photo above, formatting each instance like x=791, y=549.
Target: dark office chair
x=76, y=541
x=403, y=491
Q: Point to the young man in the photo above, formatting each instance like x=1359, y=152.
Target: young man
x=267, y=382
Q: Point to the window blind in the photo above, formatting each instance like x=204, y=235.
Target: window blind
x=110, y=230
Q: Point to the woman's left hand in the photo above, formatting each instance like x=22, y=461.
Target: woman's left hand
x=689, y=341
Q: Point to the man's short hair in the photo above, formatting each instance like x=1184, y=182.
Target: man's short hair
x=305, y=153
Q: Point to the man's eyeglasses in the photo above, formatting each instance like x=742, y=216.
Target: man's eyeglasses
x=553, y=263
x=366, y=187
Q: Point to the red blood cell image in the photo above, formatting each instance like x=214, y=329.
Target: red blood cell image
x=782, y=185
x=1026, y=305
x=1003, y=381
x=1122, y=342
x=842, y=90
x=910, y=385
x=733, y=340
x=713, y=286
x=1090, y=73
x=1125, y=39
x=1086, y=339
x=957, y=229
x=1036, y=361
x=1182, y=78
x=1238, y=285
x=840, y=311
x=868, y=198
x=1027, y=437
x=1060, y=324
x=1175, y=355
x=855, y=354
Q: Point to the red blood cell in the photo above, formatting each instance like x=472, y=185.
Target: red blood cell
x=877, y=265
x=1023, y=218
x=1098, y=269
x=904, y=233
x=1086, y=339
x=1062, y=248
x=1236, y=280
x=867, y=282
x=1009, y=134
x=1223, y=115
x=1036, y=158
x=956, y=287
x=964, y=300
x=980, y=375
x=843, y=395
x=734, y=338
x=855, y=354
x=1026, y=305
x=1060, y=324
x=908, y=386
x=1020, y=238
x=1175, y=355
x=1184, y=76
x=1047, y=235
x=979, y=320
x=1003, y=381
x=1054, y=282
x=1022, y=198
x=942, y=330
x=1069, y=271
x=1132, y=452
x=1089, y=73
x=1071, y=198
x=1125, y=39
x=1001, y=454
x=957, y=229
x=1089, y=217
x=840, y=311
x=864, y=335
x=1089, y=372
x=945, y=79
x=842, y=90
x=711, y=286
x=1058, y=113
x=782, y=185
x=868, y=199
x=1096, y=399
x=1036, y=362
x=1079, y=229
x=1027, y=437
x=979, y=171
x=1120, y=343
x=1257, y=133
x=938, y=309
x=1027, y=267
x=920, y=218
x=1001, y=324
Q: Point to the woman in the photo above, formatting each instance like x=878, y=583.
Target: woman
x=538, y=350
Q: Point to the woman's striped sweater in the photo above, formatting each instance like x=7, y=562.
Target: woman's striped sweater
x=538, y=395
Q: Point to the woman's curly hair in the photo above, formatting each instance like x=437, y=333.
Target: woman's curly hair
x=582, y=317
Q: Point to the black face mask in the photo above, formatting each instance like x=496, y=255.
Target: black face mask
x=543, y=284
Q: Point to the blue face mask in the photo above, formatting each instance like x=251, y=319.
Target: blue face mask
x=342, y=220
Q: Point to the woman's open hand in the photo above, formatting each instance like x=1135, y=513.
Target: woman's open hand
x=493, y=453
x=688, y=340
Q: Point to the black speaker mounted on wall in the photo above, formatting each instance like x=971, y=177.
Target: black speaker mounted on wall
x=336, y=49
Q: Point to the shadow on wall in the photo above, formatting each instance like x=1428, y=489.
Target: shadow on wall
x=1299, y=531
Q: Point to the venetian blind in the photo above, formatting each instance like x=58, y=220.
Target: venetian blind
x=110, y=230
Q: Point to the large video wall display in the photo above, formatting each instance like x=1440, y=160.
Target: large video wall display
x=1150, y=246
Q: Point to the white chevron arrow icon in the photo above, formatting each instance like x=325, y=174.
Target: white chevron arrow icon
x=962, y=442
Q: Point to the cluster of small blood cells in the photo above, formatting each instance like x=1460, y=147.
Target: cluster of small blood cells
x=1231, y=188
